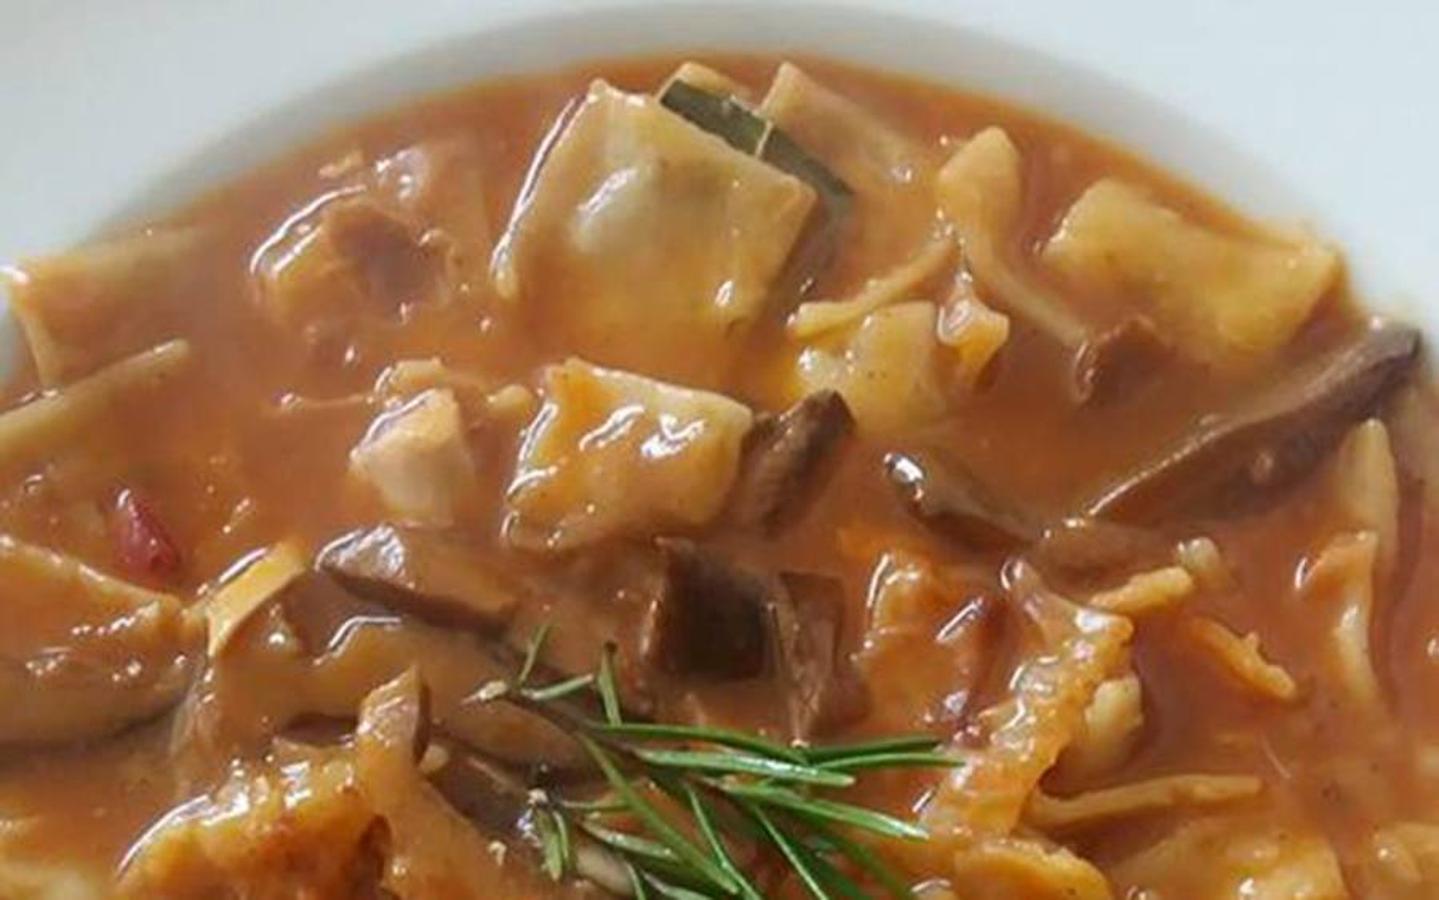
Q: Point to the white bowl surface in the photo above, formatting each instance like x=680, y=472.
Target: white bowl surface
x=1302, y=110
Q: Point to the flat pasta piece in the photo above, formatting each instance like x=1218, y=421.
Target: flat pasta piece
x=973, y=332
x=644, y=233
x=902, y=282
x=97, y=304
x=1242, y=659
x=48, y=422
x=82, y=654
x=1244, y=856
x=1146, y=592
x=1168, y=792
x=1225, y=301
x=1026, y=869
x=891, y=175
x=1108, y=732
x=981, y=193
x=887, y=369
x=237, y=601
x=985, y=795
x=1365, y=487
x=1341, y=581
x=611, y=453
x=433, y=851
x=298, y=830
x=1403, y=861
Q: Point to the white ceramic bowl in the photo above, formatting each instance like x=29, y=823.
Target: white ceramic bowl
x=1290, y=109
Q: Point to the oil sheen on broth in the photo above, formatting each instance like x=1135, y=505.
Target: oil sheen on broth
x=839, y=406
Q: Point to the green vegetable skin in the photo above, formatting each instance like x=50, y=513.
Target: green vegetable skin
x=741, y=128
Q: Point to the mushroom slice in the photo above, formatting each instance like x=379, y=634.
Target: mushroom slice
x=422, y=573
x=716, y=620
x=1272, y=439
x=709, y=617
x=783, y=456
x=953, y=501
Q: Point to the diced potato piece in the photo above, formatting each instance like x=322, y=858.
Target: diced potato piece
x=890, y=174
x=645, y=234
x=1242, y=857
x=86, y=653
x=1226, y=301
x=1241, y=658
x=1107, y=734
x=292, y=831
x=887, y=369
x=417, y=460
x=613, y=453
x=91, y=306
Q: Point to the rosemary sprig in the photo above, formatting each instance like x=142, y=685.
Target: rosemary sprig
x=736, y=797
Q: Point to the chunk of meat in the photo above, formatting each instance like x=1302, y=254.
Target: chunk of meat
x=432, y=851
x=424, y=574
x=1226, y=301
x=611, y=453
x=418, y=461
x=350, y=257
x=82, y=654
x=823, y=689
x=1271, y=439
x=644, y=233
x=783, y=459
x=269, y=833
x=887, y=368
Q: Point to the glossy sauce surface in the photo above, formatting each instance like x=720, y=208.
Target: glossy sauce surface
x=252, y=446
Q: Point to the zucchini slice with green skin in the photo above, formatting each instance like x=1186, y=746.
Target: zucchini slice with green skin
x=740, y=127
